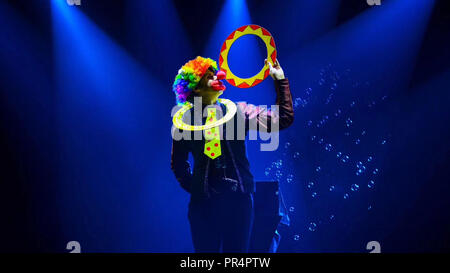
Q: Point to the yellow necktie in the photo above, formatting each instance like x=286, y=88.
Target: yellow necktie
x=212, y=136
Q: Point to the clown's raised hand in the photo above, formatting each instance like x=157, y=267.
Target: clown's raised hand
x=275, y=71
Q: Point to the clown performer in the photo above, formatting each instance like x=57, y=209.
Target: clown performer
x=221, y=185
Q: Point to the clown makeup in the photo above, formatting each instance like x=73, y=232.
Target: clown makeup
x=212, y=80
x=210, y=86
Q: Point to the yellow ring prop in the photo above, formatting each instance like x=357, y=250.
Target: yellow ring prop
x=178, y=117
x=271, y=55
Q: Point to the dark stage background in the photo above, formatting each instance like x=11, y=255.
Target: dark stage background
x=85, y=121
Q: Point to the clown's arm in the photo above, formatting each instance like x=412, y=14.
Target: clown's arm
x=180, y=165
x=266, y=118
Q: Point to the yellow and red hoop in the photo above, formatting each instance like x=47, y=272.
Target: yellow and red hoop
x=271, y=55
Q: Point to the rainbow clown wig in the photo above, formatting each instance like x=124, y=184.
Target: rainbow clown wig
x=189, y=76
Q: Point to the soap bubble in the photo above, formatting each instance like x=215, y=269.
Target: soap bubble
x=296, y=155
x=357, y=141
x=318, y=169
x=346, y=196
x=278, y=174
x=289, y=178
x=314, y=194
x=287, y=145
x=371, y=184
x=354, y=187
x=338, y=154
x=328, y=147
x=267, y=171
x=296, y=237
x=310, y=185
x=348, y=122
x=291, y=209
x=332, y=188
x=375, y=171
x=312, y=226
x=369, y=159
x=278, y=164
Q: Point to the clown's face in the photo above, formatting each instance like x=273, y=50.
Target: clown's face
x=211, y=84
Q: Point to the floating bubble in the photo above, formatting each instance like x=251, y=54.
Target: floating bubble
x=291, y=209
x=346, y=196
x=348, y=122
x=278, y=174
x=352, y=104
x=314, y=194
x=354, y=187
x=310, y=185
x=363, y=133
x=313, y=138
x=267, y=171
x=328, y=147
x=339, y=154
x=369, y=208
x=332, y=217
x=278, y=163
x=318, y=169
x=320, y=141
x=309, y=123
x=289, y=178
x=371, y=184
x=369, y=159
x=332, y=188
x=357, y=141
x=383, y=142
x=296, y=155
x=312, y=226
x=296, y=237
x=375, y=171
x=287, y=145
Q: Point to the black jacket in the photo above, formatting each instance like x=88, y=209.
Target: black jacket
x=197, y=182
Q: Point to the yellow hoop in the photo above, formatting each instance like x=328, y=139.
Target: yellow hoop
x=178, y=117
x=271, y=55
